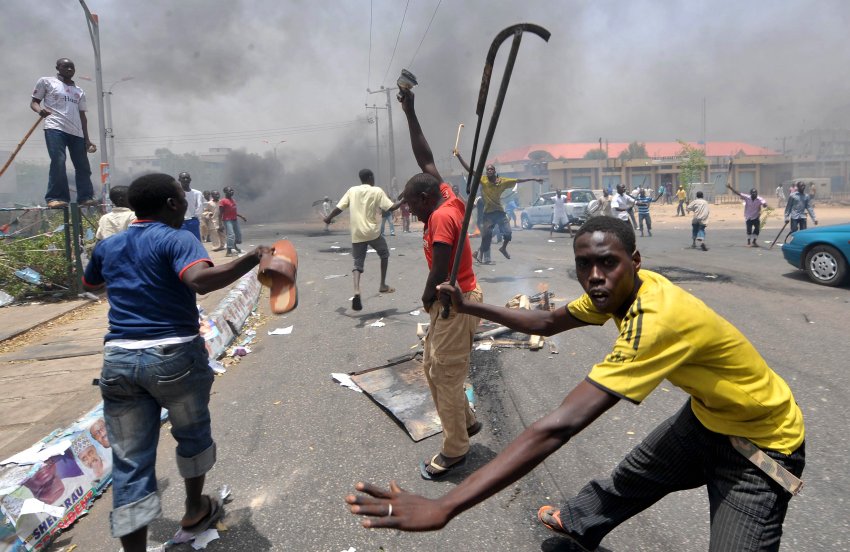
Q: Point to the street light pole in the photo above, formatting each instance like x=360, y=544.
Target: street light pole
x=110, y=130
x=94, y=33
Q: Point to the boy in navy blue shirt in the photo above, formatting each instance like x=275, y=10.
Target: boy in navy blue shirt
x=154, y=356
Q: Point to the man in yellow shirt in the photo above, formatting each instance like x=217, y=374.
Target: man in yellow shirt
x=365, y=201
x=681, y=195
x=492, y=187
x=736, y=404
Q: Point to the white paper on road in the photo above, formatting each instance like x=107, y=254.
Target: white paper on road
x=551, y=241
x=484, y=346
x=203, y=539
x=334, y=247
x=415, y=313
x=378, y=323
x=332, y=276
x=346, y=381
x=35, y=506
x=539, y=270
x=36, y=453
x=281, y=331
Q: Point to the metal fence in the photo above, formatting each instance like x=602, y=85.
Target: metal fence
x=43, y=251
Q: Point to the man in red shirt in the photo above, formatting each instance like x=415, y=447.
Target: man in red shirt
x=230, y=221
x=449, y=341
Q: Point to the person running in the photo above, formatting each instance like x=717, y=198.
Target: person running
x=753, y=204
x=780, y=196
x=798, y=205
x=699, y=206
x=560, y=219
x=737, y=405
x=448, y=344
x=155, y=358
x=492, y=187
x=644, y=199
x=365, y=201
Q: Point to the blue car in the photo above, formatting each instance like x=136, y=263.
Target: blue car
x=823, y=252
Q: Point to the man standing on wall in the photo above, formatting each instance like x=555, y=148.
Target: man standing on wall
x=62, y=104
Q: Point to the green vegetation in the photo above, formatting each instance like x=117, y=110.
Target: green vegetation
x=596, y=153
x=636, y=150
x=692, y=165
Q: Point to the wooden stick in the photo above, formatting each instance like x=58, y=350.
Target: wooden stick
x=457, y=138
x=17, y=149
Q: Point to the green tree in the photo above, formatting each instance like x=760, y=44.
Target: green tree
x=635, y=150
x=692, y=165
x=596, y=153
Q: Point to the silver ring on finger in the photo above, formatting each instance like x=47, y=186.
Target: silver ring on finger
x=389, y=510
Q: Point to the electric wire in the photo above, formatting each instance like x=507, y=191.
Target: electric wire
x=396, y=43
x=433, y=15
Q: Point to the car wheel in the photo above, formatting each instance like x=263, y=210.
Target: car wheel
x=526, y=222
x=825, y=265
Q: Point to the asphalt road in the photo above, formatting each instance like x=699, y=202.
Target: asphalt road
x=292, y=443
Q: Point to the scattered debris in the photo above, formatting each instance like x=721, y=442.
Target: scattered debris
x=422, y=329
x=378, y=323
x=5, y=298
x=484, y=346
x=28, y=275
x=553, y=349
x=90, y=296
x=281, y=331
x=217, y=367
x=240, y=351
x=332, y=276
x=415, y=312
x=345, y=381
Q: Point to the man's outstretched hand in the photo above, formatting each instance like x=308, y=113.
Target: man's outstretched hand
x=396, y=509
x=405, y=97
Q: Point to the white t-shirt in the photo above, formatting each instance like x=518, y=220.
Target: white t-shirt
x=622, y=201
x=65, y=101
x=195, y=199
x=560, y=209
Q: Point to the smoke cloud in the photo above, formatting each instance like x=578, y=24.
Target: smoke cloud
x=247, y=74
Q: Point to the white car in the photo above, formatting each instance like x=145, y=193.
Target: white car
x=540, y=212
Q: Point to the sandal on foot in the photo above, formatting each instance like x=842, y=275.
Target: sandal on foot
x=387, y=289
x=504, y=252
x=214, y=515
x=439, y=471
x=550, y=517
x=356, y=303
x=474, y=429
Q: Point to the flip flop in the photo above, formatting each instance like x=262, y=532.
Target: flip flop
x=550, y=517
x=215, y=514
x=504, y=252
x=278, y=272
x=439, y=471
x=388, y=290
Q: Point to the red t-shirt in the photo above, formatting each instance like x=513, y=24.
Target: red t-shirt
x=444, y=226
x=228, y=209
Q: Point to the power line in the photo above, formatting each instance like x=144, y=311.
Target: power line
x=396, y=42
x=433, y=15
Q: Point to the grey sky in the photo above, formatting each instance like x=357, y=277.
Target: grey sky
x=210, y=73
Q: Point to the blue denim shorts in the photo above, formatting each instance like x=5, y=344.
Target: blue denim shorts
x=136, y=385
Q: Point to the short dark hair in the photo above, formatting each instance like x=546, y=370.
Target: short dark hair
x=699, y=194
x=148, y=194
x=423, y=183
x=620, y=229
x=366, y=175
x=118, y=196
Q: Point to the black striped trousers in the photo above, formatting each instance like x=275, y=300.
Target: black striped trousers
x=747, y=507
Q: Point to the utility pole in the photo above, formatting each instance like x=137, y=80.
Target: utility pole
x=110, y=130
x=94, y=33
x=389, y=109
x=377, y=142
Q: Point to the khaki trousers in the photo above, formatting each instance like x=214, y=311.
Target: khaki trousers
x=448, y=346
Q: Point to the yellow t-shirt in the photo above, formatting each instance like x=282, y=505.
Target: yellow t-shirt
x=364, y=201
x=670, y=334
x=492, y=192
x=681, y=194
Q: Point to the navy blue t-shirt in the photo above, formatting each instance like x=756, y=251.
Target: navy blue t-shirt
x=143, y=268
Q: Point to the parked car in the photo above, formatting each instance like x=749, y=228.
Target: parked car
x=540, y=212
x=823, y=252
